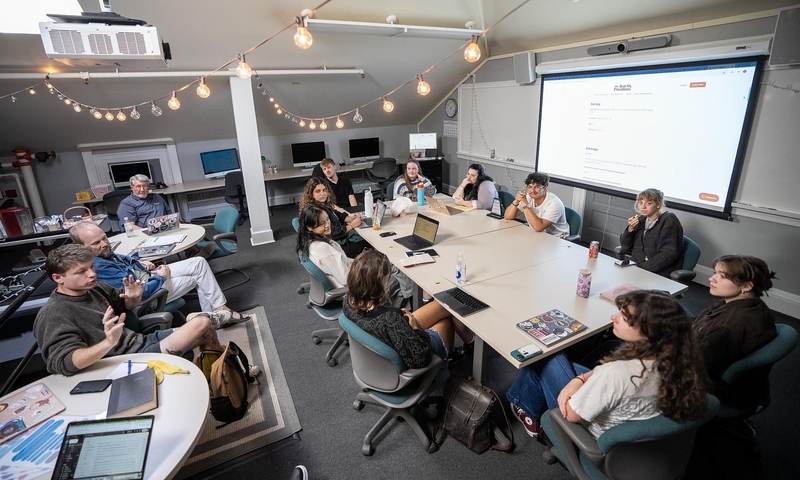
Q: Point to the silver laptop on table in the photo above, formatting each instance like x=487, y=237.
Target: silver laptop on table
x=380, y=211
x=424, y=234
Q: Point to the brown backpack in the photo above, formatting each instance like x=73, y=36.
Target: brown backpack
x=227, y=374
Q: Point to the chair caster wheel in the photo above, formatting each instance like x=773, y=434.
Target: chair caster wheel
x=433, y=448
x=332, y=362
x=316, y=340
x=358, y=405
x=301, y=291
x=367, y=450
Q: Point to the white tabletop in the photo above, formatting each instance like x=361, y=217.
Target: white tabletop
x=194, y=233
x=183, y=403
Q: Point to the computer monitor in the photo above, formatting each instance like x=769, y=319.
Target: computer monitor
x=219, y=162
x=363, y=149
x=307, y=154
x=121, y=173
x=419, y=142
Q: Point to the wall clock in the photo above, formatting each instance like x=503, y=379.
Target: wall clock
x=451, y=107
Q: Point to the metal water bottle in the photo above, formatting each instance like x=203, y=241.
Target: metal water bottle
x=420, y=194
x=128, y=227
x=368, y=203
x=461, y=268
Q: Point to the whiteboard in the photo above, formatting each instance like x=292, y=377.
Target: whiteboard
x=499, y=115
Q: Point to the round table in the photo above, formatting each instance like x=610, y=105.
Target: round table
x=183, y=403
x=194, y=233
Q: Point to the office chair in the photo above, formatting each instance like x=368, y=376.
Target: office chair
x=235, y=194
x=575, y=221
x=306, y=286
x=691, y=254
x=385, y=380
x=158, y=303
x=383, y=170
x=656, y=448
x=745, y=375
x=506, y=198
x=225, y=222
x=326, y=301
x=111, y=201
x=389, y=192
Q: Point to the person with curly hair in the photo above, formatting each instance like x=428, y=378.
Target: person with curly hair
x=343, y=224
x=656, y=371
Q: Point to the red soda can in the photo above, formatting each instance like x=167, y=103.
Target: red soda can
x=594, y=249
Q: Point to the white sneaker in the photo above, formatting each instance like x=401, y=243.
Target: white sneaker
x=254, y=370
x=219, y=318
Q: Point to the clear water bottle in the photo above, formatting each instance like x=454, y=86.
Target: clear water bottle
x=128, y=227
x=461, y=268
x=368, y=203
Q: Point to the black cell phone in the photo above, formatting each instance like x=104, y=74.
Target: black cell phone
x=625, y=263
x=90, y=386
x=387, y=234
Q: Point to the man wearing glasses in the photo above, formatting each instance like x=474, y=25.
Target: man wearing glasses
x=543, y=210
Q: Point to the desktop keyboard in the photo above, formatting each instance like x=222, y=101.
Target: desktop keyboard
x=472, y=303
x=307, y=169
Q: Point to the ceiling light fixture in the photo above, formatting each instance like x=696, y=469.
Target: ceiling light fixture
x=473, y=52
x=155, y=109
x=173, y=102
x=312, y=125
x=243, y=70
x=202, y=90
x=302, y=122
x=135, y=114
x=121, y=116
x=77, y=107
x=339, y=122
x=323, y=125
x=357, y=117
x=109, y=116
x=302, y=38
x=387, y=105
x=422, y=87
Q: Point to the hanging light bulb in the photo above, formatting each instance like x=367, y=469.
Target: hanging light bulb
x=48, y=85
x=272, y=100
x=312, y=125
x=32, y=91
x=67, y=101
x=109, y=116
x=135, y=114
x=202, y=89
x=339, y=122
x=60, y=96
x=260, y=86
x=473, y=52
x=302, y=122
x=243, y=70
x=77, y=107
x=264, y=93
x=387, y=105
x=357, y=117
x=174, y=103
x=96, y=113
x=155, y=109
x=276, y=105
x=279, y=111
x=121, y=116
x=13, y=99
x=323, y=125
x=302, y=37
x=422, y=87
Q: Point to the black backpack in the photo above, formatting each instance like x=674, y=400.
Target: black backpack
x=227, y=374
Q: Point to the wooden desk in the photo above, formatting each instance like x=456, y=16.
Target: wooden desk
x=194, y=233
x=183, y=404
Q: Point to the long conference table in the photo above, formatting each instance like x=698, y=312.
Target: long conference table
x=518, y=272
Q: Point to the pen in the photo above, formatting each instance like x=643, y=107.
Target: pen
x=129, y=367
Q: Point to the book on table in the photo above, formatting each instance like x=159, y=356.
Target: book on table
x=551, y=327
x=161, y=240
x=154, y=251
x=417, y=259
x=612, y=293
x=27, y=408
x=133, y=394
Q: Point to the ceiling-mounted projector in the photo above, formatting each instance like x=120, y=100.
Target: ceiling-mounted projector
x=102, y=39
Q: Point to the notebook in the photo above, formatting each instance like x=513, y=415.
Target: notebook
x=380, y=211
x=27, y=408
x=551, y=327
x=424, y=234
x=133, y=394
x=109, y=448
x=460, y=301
x=439, y=206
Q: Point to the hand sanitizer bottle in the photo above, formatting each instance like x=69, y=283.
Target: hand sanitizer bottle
x=128, y=227
x=461, y=268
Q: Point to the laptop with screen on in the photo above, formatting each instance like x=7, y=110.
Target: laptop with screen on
x=424, y=234
x=114, y=448
x=380, y=211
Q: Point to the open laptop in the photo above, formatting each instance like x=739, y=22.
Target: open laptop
x=114, y=448
x=424, y=234
x=460, y=301
x=439, y=206
x=380, y=211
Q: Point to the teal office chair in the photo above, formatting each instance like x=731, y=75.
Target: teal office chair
x=656, y=448
x=385, y=380
x=746, y=383
x=506, y=198
x=326, y=301
x=306, y=286
x=389, y=192
x=691, y=254
x=575, y=221
x=224, y=240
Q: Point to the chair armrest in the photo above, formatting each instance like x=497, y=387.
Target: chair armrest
x=683, y=275
x=155, y=321
x=573, y=238
x=223, y=236
x=156, y=301
x=619, y=253
x=577, y=433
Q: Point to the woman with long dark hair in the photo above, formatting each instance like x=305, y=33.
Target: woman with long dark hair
x=477, y=190
x=656, y=370
x=343, y=224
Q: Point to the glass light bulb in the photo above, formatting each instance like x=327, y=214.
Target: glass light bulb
x=279, y=111
x=323, y=125
x=302, y=123
x=76, y=107
x=423, y=88
x=121, y=116
x=312, y=125
x=155, y=109
x=95, y=113
x=271, y=99
x=67, y=101
x=174, y=103
x=109, y=116
x=32, y=91
x=202, y=90
x=339, y=123
x=302, y=37
x=276, y=106
x=264, y=93
x=243, y=70
x=357, y=117
x=387, y=105
x=135, y=114
x=13, y=99
x=60, y=96
x=473, y=52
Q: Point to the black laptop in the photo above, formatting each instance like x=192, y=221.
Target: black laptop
x=460, y=301
x=424, y=235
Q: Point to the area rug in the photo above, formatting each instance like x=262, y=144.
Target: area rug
x=271, y=416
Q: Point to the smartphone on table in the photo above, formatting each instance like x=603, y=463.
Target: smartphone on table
x=90, y=386
x=526, y=352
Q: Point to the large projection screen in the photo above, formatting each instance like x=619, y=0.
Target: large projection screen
x=680, y=128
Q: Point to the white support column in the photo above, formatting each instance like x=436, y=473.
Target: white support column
x=244, y=116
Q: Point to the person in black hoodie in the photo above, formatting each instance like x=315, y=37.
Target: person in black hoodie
x=654, y=237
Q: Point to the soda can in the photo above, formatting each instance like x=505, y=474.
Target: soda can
x=584, y=283
x=594, y=249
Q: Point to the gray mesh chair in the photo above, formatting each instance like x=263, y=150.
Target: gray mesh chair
x=383, y=170
x=326, y=301
x=385, y=380
x=111, y=201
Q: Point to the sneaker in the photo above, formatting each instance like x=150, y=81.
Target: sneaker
x=531, y=425
x=219, y=318
x=455, y=356
x=254, y=370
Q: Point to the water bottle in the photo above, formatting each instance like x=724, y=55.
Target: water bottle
x=420, y=194
x=368, y=203
x=128, y=227
x=461, y=268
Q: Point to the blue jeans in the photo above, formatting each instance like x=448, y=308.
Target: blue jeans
x=537, y=386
